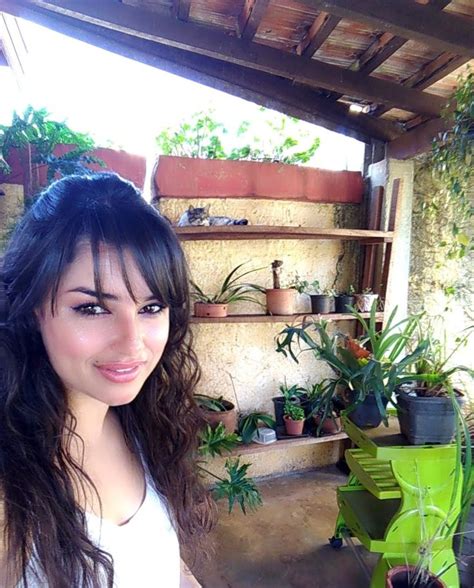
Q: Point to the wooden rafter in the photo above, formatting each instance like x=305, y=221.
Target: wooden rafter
x=386, y=45
x=251, y=17
x=322, y=27
x=416, y=141
x=433, y=71
x=405, y=18
x=260, y=87
x=212, y=43
x=181, y=9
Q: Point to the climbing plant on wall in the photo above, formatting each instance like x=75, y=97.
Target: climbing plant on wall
x=452, y=164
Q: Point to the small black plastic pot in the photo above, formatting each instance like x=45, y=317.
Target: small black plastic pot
x=343, y=302
x=322, y=303
x=366, y=415
x=426, y=419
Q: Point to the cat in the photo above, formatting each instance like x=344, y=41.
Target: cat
x=200, y=216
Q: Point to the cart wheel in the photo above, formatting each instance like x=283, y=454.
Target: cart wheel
x=335, y=542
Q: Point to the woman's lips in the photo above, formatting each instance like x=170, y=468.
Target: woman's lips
x=120, y=372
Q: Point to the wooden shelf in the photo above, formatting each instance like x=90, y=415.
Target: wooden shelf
x=268, y=318
x=286, y=443
x=280, y=232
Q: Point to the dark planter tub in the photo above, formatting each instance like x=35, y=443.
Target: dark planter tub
x=399, y=577
x=279, y=405
x=343, y=302
x=322, y=303
x=426, y=419
x=366, y=415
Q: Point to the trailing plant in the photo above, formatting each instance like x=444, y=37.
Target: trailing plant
x=36, y=137
x=238, y=487
x=203, y=136
x=248, y=424
x=232, y=289
x=452, y=163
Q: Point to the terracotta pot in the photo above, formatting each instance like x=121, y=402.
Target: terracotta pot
x=281, y=301
x=364, y=301
x=228, y=418
x=398, y=577
x=293, y=427
x=331, y=426
x=202, y=309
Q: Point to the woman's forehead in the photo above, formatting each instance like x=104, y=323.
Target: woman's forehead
x=111, y=265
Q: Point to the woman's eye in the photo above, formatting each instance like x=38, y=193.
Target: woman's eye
x=90, y=309
x=152, y=308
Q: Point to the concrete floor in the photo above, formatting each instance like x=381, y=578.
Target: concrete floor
x=285, y=543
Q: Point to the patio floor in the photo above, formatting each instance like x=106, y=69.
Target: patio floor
x=285, y=544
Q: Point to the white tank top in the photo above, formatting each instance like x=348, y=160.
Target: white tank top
x=145, y=549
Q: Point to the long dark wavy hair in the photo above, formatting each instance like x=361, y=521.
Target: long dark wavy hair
x=43, y=520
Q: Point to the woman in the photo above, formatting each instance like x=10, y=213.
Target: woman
x=98, y=424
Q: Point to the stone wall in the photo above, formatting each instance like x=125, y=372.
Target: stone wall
x=11, y=208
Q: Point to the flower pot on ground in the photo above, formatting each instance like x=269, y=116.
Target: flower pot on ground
x=293, y=419
x=218, y=410
x=366, y=300
x=411, y=577
x=232, y=290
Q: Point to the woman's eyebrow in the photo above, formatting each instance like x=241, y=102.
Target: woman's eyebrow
x=105, y=295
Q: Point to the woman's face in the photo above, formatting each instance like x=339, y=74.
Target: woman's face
x=103, y=351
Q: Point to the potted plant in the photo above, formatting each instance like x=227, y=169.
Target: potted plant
x=407, y=576
x=344, y=300
x=325, y=407
x=249, y=423
x=427, y=399
x=322, y=302
x=293, y=418
x=292, y=394
x=366, y=300
x=368, y=369
x=232, y=290
x=280, y=301
x=218, y=410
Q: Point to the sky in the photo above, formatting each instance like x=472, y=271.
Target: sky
x=124, y=103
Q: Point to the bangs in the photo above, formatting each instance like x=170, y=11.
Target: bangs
x=147, y=238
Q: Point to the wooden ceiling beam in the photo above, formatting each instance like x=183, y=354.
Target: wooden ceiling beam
x=181, y=9
x=251, y=17
x=441, y=30
x=262, y=88
x=322, y=27
x=212, y=43
x=417, y=141
x=433, y=71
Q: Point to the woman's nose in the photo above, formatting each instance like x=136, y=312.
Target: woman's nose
x=129, y=335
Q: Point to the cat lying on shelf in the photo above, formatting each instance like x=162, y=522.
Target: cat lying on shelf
x=199, y=216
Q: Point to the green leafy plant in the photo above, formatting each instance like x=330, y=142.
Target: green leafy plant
x=36, y=137
x=248, y=424
x=209, y=403
x=202, y=136
x=238, y=487
x=452, y=163
x=370, y=364
x=293, y=411
x=232, y=289
x=433, y=372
